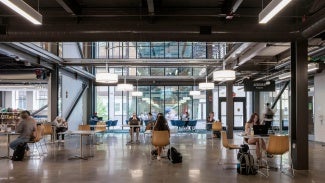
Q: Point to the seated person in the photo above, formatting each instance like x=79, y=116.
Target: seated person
x=254, y=120
x=210, y=120
x=61, y=126
x=151, y=122
x=161, y=125
x=26, y=129
x=134, y=120
x=94, y=117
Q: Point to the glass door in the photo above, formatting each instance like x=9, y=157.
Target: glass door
x=239, y=112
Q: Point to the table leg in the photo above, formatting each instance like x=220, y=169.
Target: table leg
x=81, y=149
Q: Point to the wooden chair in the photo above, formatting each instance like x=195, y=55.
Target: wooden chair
x=216, y=126
x=160, y=139
x=278, y=145
x=228, y=146
x=225, y=142
x=84, y=127
x=48, y=130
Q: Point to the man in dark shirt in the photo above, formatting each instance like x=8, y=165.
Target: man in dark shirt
x=134, y=120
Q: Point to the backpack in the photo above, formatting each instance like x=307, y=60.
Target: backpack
x=19, y=153
x=174, y=156
x=246, y=164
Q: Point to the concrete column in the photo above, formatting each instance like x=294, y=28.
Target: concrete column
x=299, y=104
x=230, y=109
x=29, y=100
x=53, y=96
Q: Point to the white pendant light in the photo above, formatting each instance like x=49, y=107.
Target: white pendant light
x=224, y=75
x=194, y=92
x=106, y=77
x=206, y=85
x=124, y=86
x=137, y=93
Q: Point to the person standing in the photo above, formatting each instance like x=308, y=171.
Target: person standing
x=268, y=116
x=26, y=129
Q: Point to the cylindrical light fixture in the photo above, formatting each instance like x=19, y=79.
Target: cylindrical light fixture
x=106, y=77
x=224, y=75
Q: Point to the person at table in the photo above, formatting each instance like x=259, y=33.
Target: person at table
x=134, y=120
x=254, y=120
x=61, y=126
x=210, y=120
x=161, y=125
x=186, y=118
x=94, y=117
x=26, y=129
x=151, y=122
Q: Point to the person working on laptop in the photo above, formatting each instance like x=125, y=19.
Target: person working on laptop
x=259, y=142
x=134, y=120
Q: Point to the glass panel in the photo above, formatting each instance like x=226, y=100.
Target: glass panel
x=157, y=52
x=222, y=91
x=102, y=102
x=239, y=91
x=157, y=72
x=171, y=102
x=199, y=50
x=157, y=100
x=199, y=71
x=102, y=50
x=185, y=71
x=129, y=50
x=143, y=50
x=238, y=114
x=185, y=101
x=144, y=105
x=143, y=71
x=185, y=50
x=171, y=71
x=219, y=50
x=171, y=50
x=115, y=50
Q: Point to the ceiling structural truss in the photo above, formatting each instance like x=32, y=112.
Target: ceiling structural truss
x=70, y=6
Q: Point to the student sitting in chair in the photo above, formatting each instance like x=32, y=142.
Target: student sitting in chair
x=134, y=120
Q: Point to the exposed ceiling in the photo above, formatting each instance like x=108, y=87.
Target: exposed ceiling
x=257, y=50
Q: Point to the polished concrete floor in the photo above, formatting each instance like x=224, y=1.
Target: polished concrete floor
x=114, y=161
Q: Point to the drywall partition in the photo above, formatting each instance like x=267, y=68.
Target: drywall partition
x=71, y=88
x=319, y=103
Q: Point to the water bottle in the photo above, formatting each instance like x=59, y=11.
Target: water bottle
x=252, y=131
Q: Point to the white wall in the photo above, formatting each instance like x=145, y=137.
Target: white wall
x=70, y=90
x=319, y=126
x=8, y=99
x=70, y=50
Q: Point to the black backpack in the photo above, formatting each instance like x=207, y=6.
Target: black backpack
x=19, y=152
x=174, y=156
x=246, y=164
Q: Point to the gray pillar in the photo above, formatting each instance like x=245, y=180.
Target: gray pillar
x=256, y=102
x=230, y=109
x=209, y=102
x=1, y=99
x=53, y=97
x=299, y=104
x=29, y=100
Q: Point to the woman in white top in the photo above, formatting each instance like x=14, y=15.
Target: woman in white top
x=254, y=120
x=61, y=126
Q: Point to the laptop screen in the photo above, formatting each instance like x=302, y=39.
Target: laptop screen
x=260, y=129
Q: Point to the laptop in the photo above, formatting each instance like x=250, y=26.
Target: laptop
x=260, y=130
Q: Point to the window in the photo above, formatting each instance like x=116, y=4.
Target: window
x=42, y=98
x=21, y=99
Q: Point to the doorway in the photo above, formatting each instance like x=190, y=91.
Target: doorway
x=239, y=112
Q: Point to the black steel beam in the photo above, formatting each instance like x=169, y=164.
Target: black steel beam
x=76, y=100
x=70, y=6
x=230, y=109
x=279, y=94
x=299, y=105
